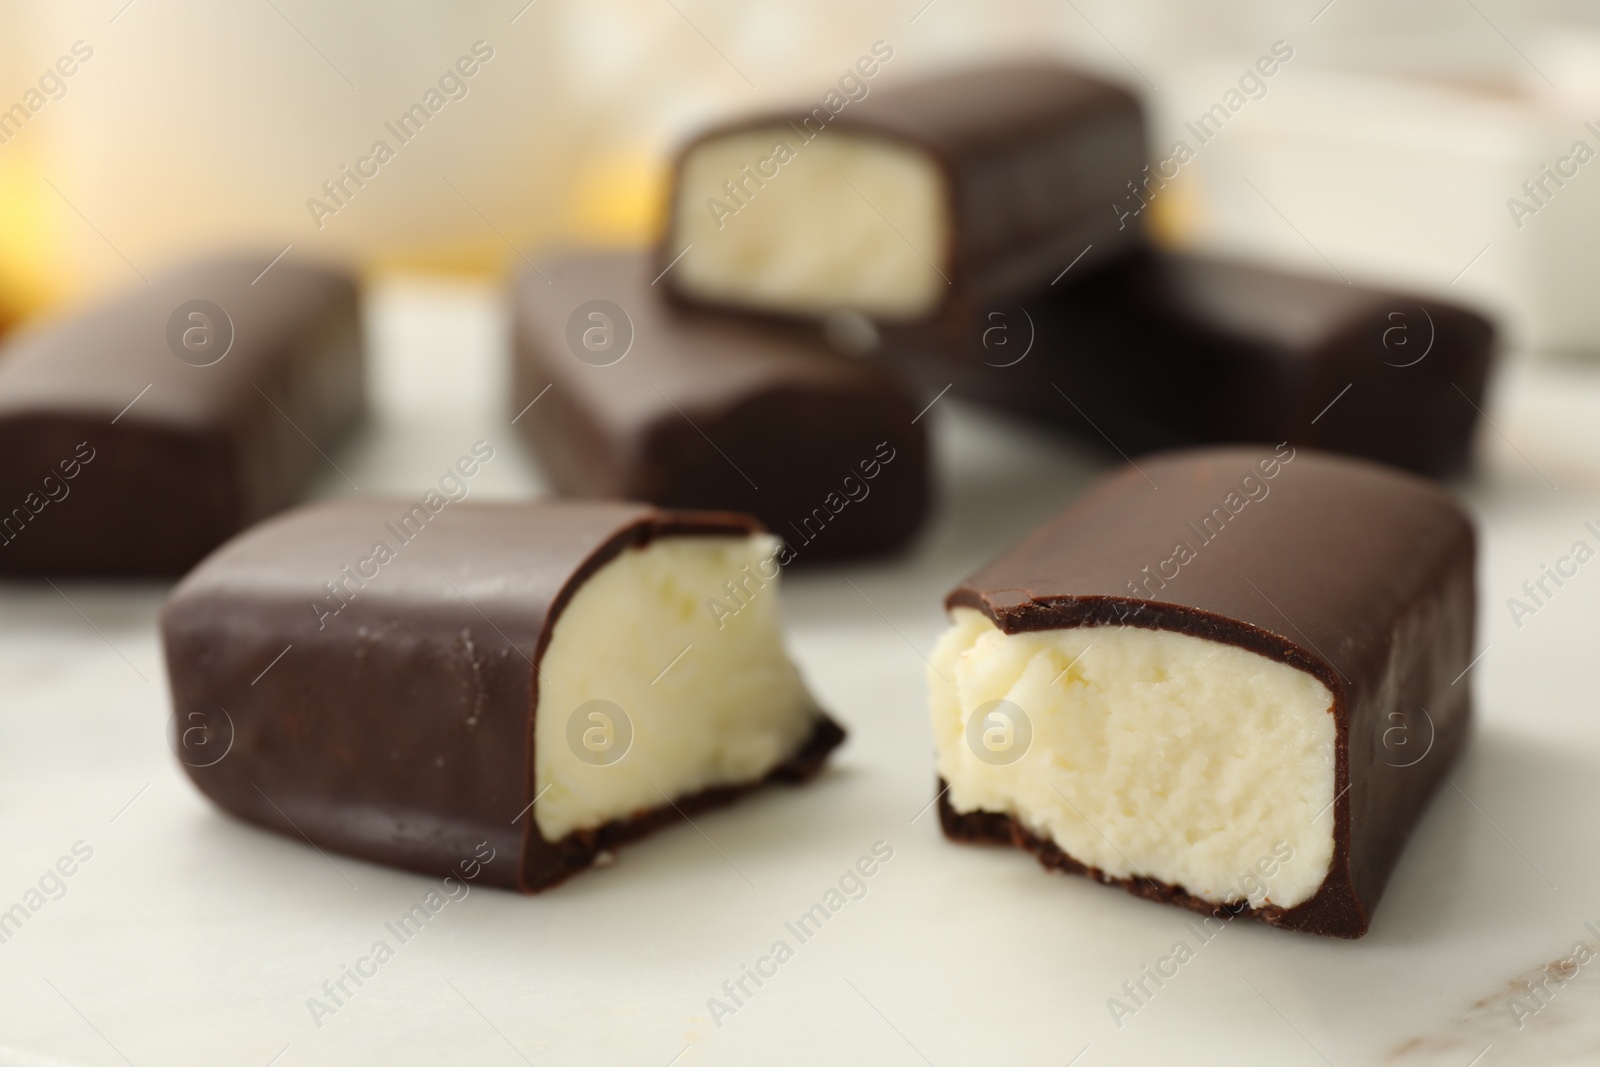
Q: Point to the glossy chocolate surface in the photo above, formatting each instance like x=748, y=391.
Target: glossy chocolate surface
x=1160, y=351
x=153, y=460
x=1036, y=156
x=691, y=410
x=385, y=709
x=1361, y=576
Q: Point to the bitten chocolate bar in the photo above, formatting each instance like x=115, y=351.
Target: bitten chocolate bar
x=621, y=396
x=1230, y=680
x=1160, y=351
x=406, y=682
x=138, y=434
x=912, y=202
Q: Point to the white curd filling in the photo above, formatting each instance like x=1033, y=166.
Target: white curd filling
x=646, y=696
x=1143, y=752
x=840, y=223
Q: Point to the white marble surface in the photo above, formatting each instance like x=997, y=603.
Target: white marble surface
x=188, y=938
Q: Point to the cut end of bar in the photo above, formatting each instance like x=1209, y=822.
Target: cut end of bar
x=806, y=228
x=1143, y=754
x=658, y=684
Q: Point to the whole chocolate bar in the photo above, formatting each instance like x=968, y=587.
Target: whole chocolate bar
x=1160, y=350
x=623, y=397
x=407, y=682
x=1228, y=679
x=138, y=434
x=911, y=203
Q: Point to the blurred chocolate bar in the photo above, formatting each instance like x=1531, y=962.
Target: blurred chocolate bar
x=622, y=396
x=1166, y=350
x=911, y=203
x=139, y=433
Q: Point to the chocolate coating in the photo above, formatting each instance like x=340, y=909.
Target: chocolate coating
x=1035, y=156
x=1161, y=350
x=400, y=729
x=700, y=411
x=179, y=456
x=1359, y=575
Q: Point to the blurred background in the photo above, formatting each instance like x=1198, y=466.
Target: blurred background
x=1389, y=148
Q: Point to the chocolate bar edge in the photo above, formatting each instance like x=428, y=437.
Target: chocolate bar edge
x=1104, y=248
x=577, y=851
x=932, y=356
x=539, y=864
x=237, y=474
x=546, y=864
x=854, y=393
x=1341, y=907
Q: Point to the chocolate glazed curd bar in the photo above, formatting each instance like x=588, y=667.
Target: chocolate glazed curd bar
x=911, y=203
x=404, y=683
x=139, y=433
x=633, y=399
x=1193, y=691
x=1165, y=350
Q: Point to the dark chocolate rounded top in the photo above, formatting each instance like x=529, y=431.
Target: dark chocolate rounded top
x=1301, y=555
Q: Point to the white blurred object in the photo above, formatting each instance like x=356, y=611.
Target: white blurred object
x=1563, y=68
x=1377, y=178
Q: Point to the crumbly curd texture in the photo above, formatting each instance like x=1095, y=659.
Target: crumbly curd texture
x=730, y=709
x=1152, y=753
x=849, y=223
